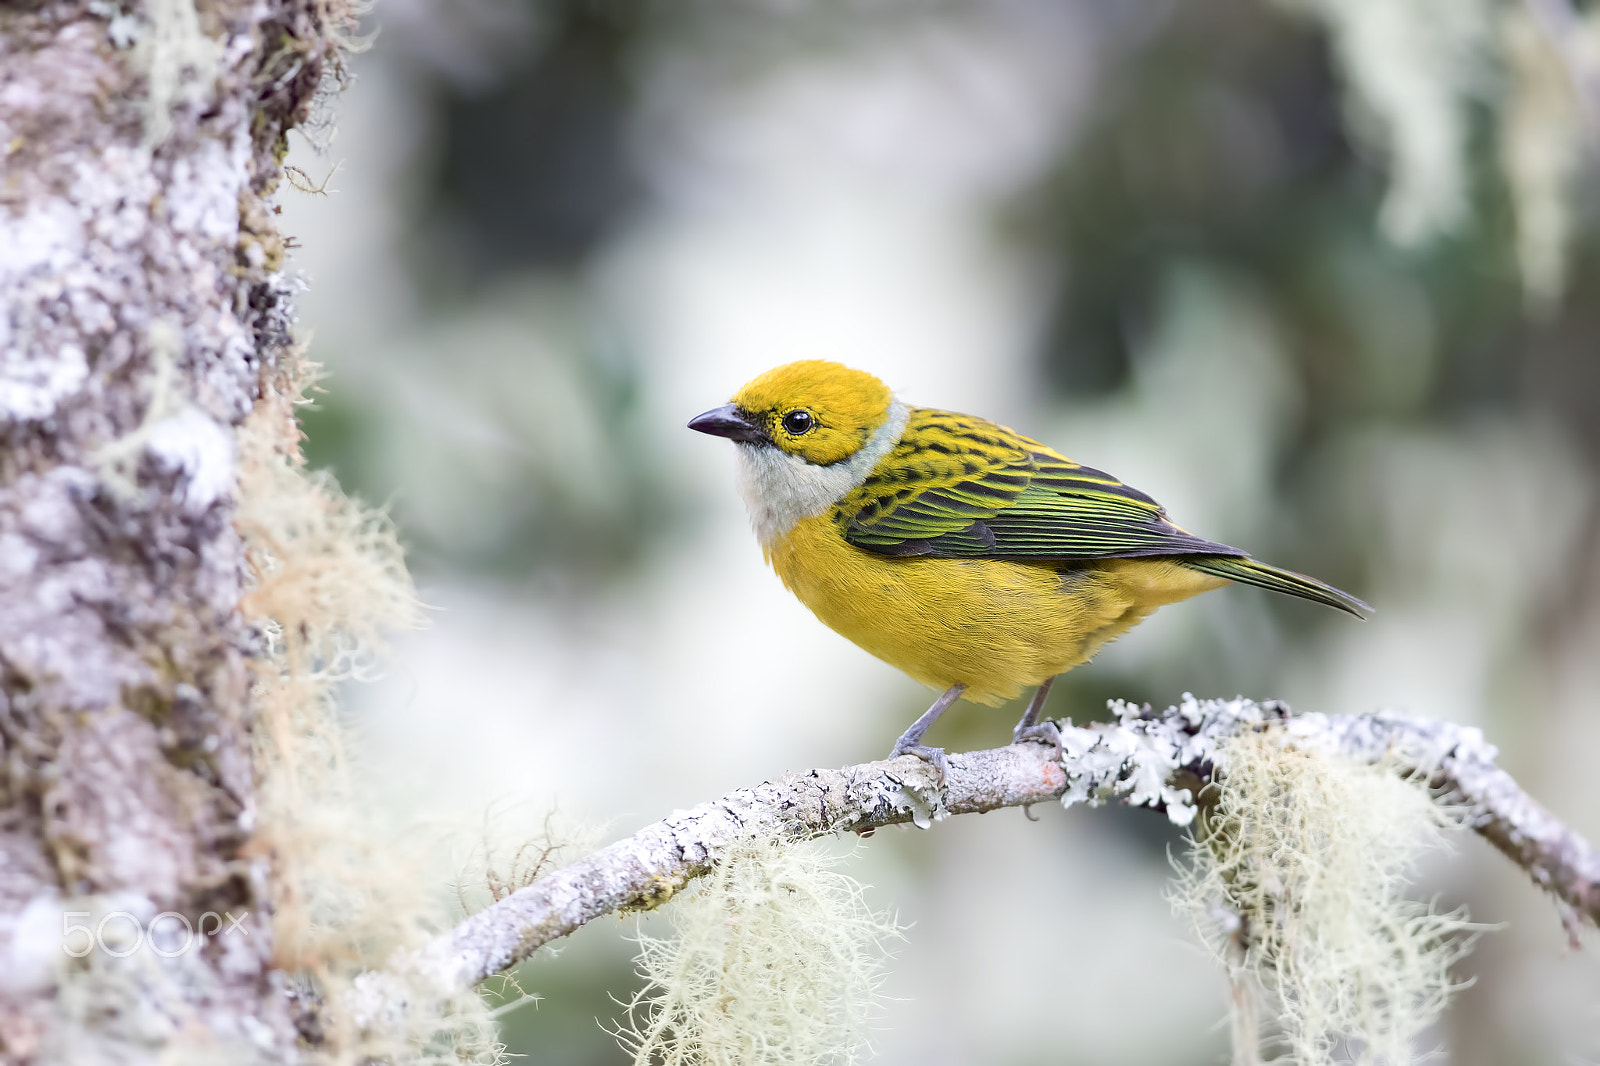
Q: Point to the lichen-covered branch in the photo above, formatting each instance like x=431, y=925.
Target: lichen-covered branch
x=1157, y=759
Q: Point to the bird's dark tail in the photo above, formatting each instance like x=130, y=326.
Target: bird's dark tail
x=1252, y=572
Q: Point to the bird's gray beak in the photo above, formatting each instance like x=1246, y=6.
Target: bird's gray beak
x=728, y=421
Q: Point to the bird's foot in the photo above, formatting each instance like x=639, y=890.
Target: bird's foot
x=934, y=757
x=910, y=742
x=1044, y=732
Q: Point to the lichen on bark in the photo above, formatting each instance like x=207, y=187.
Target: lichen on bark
x=141, y=315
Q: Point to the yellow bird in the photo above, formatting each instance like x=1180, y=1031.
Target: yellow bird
x=977, y=560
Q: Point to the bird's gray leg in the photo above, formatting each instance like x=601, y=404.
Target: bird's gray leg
x=1030, y=728
x=910, y=742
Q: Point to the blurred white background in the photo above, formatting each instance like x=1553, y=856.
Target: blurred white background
x=1136, y=232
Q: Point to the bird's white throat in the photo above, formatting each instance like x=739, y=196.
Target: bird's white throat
x=780, y=489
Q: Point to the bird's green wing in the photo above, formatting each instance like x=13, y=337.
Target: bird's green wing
x=962, y=487
x=957, y=486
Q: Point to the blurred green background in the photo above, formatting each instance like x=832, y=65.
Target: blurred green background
x=1146, y=232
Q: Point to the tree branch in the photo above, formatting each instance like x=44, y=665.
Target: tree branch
x=1155, y=759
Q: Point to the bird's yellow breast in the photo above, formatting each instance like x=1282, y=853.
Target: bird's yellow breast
x=995, y=625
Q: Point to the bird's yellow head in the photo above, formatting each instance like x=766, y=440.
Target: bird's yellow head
x=808, y=433
x=814, y=410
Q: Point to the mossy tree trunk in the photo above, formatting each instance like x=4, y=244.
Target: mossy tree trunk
x=141, y=316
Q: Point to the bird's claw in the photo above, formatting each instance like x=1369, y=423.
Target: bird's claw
x=934, y=757
x=1044, y=732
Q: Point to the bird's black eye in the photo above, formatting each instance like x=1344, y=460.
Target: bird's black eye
x=798, y=422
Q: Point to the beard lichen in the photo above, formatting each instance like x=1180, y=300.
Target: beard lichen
x=327, y=580
x=776, y=959
x=1297, y=884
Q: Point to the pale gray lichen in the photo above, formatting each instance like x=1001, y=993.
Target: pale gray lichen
x=199, y=451
x=1415, y=68
x=925, y=805
x=1296, y=881
x=776, y=959
x=1135, y=757
x=179, y=59
x=1542, y=142
x=1421, y=74
x=30, y=391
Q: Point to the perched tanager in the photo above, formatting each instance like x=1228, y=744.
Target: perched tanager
x=977, y=560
